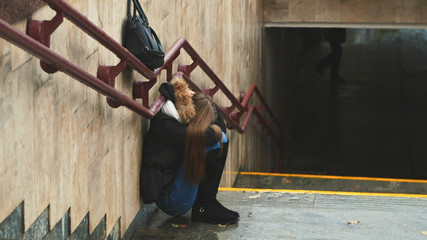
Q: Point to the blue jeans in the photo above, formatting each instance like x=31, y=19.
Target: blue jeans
x=181, y=197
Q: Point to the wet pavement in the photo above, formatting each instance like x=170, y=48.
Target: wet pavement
x=282, y=215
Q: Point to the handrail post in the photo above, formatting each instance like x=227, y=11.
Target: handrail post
x=187, y=69
x=108, y=75
x=41, y=31
x=142, y=89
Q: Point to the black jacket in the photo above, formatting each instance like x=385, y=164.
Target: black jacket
x=163, y=152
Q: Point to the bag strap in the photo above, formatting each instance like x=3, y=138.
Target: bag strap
x=137, y=7
x=128, y=9
x=158, y=46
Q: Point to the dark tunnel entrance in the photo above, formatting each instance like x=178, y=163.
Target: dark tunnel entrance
x=376, y=123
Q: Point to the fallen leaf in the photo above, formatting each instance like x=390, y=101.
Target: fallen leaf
x=353, y=222
x=254, y=196
x=220, y=225
x=424, y=233
x=287, y=181
x=356, y=186
x=179, y=225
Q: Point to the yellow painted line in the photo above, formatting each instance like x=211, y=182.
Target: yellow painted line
x=335, y=177
x=324, y=192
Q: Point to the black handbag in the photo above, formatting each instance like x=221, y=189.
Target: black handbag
x=141, y=40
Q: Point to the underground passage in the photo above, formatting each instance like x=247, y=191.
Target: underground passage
x=374, y=125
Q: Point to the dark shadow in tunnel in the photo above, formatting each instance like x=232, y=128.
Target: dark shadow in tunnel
x=375, y=125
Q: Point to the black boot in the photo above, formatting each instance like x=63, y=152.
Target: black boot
x=208, y=188
x=210, y=213
x=229, y=211
x=221, y=161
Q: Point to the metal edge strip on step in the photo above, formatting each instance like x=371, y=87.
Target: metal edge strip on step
x=333, y=177
x=324, y=192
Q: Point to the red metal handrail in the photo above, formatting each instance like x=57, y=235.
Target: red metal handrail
x=39, y=50
x=39, y=42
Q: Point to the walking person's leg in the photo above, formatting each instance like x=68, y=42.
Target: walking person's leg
x=324, y=63
x=335, y=79
x=336, y=61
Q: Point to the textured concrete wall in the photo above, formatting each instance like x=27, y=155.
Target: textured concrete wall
x=63, y=147
x=345, y=11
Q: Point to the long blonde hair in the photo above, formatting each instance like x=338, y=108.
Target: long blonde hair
x=195, y=140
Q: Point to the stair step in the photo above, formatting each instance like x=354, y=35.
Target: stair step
x=254, y=180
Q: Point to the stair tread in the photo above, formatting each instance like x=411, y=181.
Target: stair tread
x=330, y=183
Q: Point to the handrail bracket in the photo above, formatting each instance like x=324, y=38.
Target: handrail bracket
x=108, y=75
x=141, y=90
x=41, y=31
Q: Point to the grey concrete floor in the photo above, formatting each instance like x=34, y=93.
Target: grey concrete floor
x=281, y=215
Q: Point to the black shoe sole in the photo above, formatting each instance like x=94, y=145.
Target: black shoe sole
x=202, y=219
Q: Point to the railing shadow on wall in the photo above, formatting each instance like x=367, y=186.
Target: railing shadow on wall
x=38, y=44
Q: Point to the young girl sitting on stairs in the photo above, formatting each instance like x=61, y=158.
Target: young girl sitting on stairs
x=184, y=154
